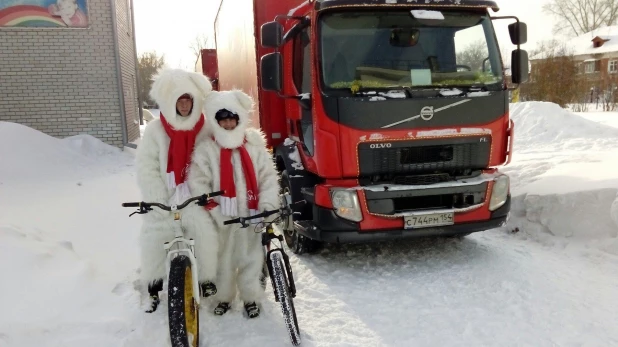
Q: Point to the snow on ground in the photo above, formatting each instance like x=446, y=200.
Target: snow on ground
x=69, y=256
x=565, y=176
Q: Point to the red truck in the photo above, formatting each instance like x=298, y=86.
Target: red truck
x=389, y=117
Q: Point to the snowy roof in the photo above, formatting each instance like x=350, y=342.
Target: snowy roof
x=583, y=45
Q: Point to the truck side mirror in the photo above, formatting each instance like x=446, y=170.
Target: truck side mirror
x=270, y=71
x=271, y=34
x=519, y=33
x=519, y=66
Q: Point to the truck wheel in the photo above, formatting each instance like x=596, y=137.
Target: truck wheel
x=296, y=242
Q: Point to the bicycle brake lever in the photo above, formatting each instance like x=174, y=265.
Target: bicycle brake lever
x=142, y=210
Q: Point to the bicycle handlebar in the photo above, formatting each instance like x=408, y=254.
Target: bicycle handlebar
x=284, y=212
x=202, y=199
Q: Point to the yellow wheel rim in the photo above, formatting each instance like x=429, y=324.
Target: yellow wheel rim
x=191, y=310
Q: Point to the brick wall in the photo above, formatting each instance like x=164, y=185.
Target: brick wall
x=64, y=81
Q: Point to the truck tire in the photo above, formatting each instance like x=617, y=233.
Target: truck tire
x=297, y=243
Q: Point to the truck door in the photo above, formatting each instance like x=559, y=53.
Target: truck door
x=303, y=83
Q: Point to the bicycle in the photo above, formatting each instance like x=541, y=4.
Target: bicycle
x=182, y=275
x=277, y=265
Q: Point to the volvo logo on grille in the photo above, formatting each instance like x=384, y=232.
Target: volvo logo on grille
x=380, y=145
x=427, y=113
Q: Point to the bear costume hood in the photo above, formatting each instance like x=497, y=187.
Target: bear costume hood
x=236, y=102
x=169, y=85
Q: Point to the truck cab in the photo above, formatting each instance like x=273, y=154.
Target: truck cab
x=395, y=116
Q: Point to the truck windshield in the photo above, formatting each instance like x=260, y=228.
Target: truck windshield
x=408, y=49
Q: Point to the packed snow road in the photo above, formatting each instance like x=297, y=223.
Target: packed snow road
x=68, y=255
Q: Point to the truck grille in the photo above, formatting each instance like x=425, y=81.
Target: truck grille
x=390, y=202
x=422, y=179
x=423, y=156
x=427, y=154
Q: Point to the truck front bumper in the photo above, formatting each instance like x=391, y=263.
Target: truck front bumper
x=328, y=227
x=386, y=210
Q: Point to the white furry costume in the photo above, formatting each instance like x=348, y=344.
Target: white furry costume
x=240, y=249
x=152, y=177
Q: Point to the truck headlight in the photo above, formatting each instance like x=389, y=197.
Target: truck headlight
x=499, y=192
x=345, y=203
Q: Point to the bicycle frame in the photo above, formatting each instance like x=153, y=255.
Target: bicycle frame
x=179, y=245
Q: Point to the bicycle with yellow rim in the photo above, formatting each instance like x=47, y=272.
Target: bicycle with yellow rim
x=182, y=276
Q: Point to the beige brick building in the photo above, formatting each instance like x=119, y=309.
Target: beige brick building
x=66, y=81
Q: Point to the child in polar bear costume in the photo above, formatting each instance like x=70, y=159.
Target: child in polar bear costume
x=235, y=159
x=162, y=161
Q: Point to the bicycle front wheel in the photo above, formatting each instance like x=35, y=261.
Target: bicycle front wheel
x=183, y=311
x=284, y=297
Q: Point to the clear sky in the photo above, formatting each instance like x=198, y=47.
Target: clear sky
x=170, y=29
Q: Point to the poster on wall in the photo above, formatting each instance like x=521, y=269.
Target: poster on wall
x=44, y=13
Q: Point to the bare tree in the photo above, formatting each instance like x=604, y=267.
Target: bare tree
x=608, y=90
x=554, y=76
x=473, y=55
x=200, y=42
x=582, y=16
x=148, y=64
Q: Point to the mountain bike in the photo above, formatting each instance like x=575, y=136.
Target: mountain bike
x=182, y=276
x=277, y=264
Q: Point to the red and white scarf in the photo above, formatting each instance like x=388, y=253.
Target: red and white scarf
x=228, y=201
x=179, y=153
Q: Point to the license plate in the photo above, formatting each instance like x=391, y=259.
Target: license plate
x=428, y=220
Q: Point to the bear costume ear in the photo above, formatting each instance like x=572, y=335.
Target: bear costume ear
x=161, y=86
x=202, y=82
x=245, y=100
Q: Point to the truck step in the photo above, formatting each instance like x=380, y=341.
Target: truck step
x=302, y=225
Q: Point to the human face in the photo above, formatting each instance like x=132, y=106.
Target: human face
x=228, y=123
x=184, y=106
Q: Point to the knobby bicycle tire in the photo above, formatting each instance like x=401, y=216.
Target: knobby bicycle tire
x=282, y=291
x=183, y=312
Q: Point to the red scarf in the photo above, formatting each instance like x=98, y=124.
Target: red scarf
x=228, y=203
x=179, y=153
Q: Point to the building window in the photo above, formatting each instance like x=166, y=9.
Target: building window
x=613, y=66
x=591, y=67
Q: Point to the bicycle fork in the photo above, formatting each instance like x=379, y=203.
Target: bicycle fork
x=267, y=238
x=182, y=246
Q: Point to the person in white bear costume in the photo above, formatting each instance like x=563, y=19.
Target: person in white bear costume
x=162, y=160
x=236, y=160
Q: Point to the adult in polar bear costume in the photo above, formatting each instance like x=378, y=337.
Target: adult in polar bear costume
x=162, y=160
x=235, y=159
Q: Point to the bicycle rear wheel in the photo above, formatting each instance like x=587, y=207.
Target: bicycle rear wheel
x=283, y=295
x=183, y=311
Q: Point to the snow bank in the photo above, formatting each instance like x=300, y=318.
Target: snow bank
x=90, y=146
x=564, y=193
x=545, y=123
x=66, y=244
x=28, y=154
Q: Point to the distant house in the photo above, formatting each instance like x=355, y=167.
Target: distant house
x=596, y=56
x=597, y=53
